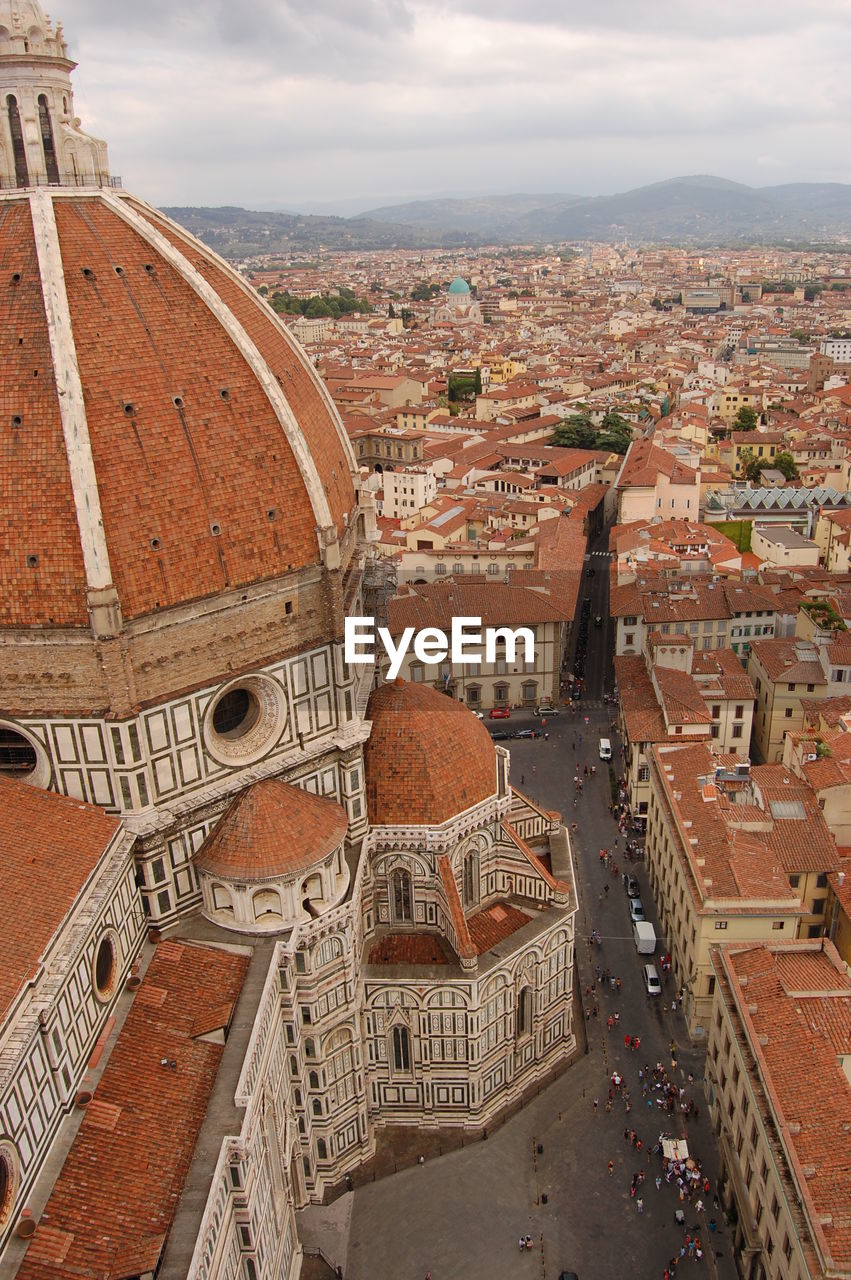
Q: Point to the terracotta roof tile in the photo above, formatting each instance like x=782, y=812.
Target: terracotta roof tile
x=796, y=1008
x=111, y=1208
x=49, y=847
x=427, y=758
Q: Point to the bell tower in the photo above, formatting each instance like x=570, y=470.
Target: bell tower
x=41, y=142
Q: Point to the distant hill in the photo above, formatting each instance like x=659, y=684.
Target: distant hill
x=480, y=215
x=239, y=233
x=700, y=210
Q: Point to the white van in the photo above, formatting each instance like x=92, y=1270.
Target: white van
x=644, y=937
x=605, y=749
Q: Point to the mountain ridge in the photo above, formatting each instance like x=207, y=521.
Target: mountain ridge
x=698, y=209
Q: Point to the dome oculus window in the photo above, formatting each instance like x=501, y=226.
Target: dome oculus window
x=105, y=966
x=245, y=719
x=22, y=757
x=235, y=714
x=9, y=1181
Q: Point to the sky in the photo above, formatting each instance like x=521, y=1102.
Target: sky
x=342, y=105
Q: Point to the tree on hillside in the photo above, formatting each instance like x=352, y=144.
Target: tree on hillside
x=477, y=386
x=746, y=419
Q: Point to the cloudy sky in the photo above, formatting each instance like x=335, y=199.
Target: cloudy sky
x=350, y=103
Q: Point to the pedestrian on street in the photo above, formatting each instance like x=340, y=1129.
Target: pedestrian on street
x=596, y=1105
x=611, y=1167
x=639, y=1204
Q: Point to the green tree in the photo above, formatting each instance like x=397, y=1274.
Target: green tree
x=477, y=383
x=786, y=463
x=746, y=419
x=391, y=312
x=753, y=468
x=577, y=432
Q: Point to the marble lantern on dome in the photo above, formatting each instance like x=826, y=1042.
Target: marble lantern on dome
x=41, y=142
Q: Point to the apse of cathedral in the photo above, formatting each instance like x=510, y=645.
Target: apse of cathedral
x=259, y=908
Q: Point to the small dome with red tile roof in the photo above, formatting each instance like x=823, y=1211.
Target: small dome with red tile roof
x=427, y=759
x=272, y=830
x=275, y=859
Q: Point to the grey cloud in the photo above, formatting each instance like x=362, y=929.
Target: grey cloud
x=346, y=96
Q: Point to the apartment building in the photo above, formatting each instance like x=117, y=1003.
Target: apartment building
x=671, y=693
x=785, y=672
x=714, y=614
x=652, y=482
x=777, y=1084
x=407, y=490
x=714, y=864
x=508, y=681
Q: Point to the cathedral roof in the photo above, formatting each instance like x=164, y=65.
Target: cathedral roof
x=427, y=759
x=272, y=829
x=459, y=286
x=164, y=433
x=49, y=847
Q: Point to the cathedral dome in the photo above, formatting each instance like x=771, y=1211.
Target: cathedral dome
x=427, y=759
x=459, y=286
x=165, y=437
x=275, y=857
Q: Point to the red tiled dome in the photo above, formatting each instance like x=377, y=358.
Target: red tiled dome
x=272, y=829
x=427, y=759
x=205, y=434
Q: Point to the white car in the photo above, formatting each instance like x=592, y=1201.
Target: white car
x=546, y=711
x=652, y=985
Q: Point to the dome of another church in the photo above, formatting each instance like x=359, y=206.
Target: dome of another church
x=165, y=435
x=459, y=286
x=428, y=757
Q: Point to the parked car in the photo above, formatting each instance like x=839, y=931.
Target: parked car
x=500, y=713
x=632, y=887
x=501, y=735
x=546, y=710
x=652, y=985
x=526, y=733
x=636, y=910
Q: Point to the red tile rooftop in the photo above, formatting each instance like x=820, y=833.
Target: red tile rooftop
x=407, y=948
x=111, y=1208
x=491, y=925
x=49, y=847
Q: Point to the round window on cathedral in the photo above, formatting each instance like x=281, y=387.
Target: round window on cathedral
x=105, y=967
x=9, y=1180
x=17, y=754
x=245, y=720
x=236, y=713
x=22, y=757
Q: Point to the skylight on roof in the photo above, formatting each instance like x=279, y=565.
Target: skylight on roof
x=787, y=809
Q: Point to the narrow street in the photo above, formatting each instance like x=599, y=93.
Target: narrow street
x=461, y=1215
